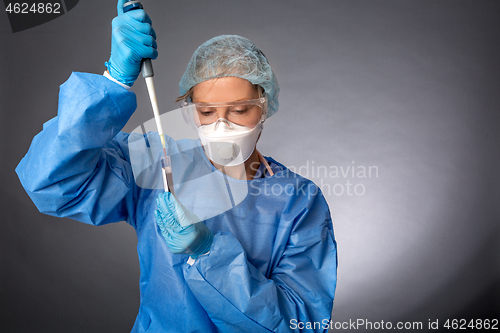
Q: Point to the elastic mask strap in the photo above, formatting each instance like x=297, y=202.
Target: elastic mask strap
x=263, y=160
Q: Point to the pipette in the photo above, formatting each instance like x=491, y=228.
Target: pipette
x=147, y=73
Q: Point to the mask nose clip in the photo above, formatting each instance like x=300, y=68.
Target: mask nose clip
x=222, y=120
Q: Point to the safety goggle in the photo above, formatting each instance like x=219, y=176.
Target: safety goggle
x=246, y=113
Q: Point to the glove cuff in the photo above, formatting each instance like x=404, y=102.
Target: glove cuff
x=109, y=77
x=115, y=74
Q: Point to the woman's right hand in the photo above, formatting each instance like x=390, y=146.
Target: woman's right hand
x=133, y=39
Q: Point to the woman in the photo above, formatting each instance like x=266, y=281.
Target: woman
x=226, y=253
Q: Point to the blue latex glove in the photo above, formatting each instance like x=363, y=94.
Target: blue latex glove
x=133, y=39
x=182, y=230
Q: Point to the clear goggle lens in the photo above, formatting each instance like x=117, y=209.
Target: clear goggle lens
x=245, y=113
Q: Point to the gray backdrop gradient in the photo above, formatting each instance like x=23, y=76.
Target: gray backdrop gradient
x=409, y=88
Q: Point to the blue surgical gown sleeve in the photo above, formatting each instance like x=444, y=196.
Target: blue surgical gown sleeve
x=76, y=166
x=299, y=290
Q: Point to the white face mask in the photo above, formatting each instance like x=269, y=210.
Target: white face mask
x=229, y=144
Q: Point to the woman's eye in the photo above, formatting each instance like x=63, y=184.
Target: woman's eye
x=240, y=110
x=206, y=113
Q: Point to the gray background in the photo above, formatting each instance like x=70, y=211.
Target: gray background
x=411, y=87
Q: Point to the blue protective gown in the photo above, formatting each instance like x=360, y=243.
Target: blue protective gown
x=273, y=258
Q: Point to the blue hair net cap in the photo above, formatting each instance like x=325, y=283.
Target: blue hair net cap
x=231, y=55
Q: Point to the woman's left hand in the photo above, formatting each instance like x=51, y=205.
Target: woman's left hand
x=183, y=231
